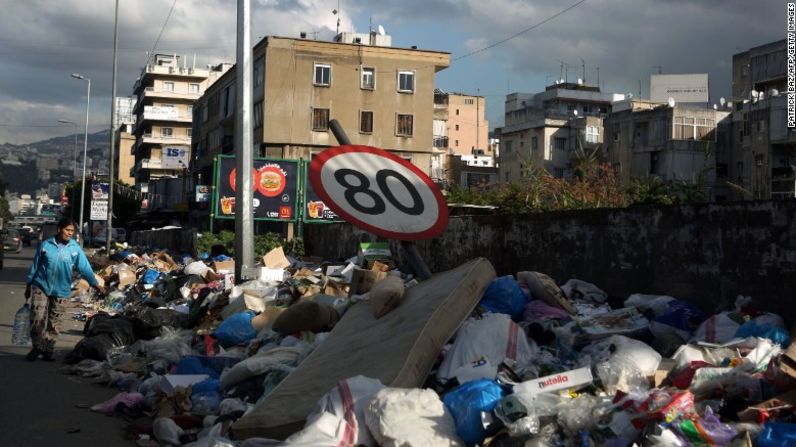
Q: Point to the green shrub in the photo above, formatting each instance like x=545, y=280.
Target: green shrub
x=263, y=243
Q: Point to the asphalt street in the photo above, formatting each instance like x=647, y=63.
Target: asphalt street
x=41, y=407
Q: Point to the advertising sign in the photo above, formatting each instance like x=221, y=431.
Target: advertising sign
x=315, y=211
x=274, y=184
x=680, y=87
x=176, y=157
x=167, y=113
x=385, y=195
x=202, y=193
x=99, y=201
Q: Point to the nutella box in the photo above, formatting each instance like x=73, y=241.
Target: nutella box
x=556, y=382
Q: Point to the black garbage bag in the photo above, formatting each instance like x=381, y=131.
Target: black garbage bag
x=147, y=321
x=103, y=333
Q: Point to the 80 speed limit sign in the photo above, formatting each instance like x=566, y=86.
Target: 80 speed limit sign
x=379, y=192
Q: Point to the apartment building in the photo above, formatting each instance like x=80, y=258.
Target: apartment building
x=164, y=97
x=381, y=95
x=651, y=139
x=763, y=147
x=546, y=129
x=125, y=139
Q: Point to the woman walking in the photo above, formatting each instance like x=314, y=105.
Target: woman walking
x=49, y=281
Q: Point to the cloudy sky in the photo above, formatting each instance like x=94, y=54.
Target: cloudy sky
x=43, y=41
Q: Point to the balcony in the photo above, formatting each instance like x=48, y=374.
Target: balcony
x=149, y=138
x=440, y=142
x=161, y=93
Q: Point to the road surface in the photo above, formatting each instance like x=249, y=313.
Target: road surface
x=41, y=407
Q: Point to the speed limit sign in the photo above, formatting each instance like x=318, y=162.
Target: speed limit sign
x=379, y=192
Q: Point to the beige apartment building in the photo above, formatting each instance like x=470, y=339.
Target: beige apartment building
x=381, y=95
x=165, y=94
x=545, y=130
x=763, y=147
x=459, y=128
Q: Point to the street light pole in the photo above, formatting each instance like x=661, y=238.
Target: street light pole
x=112, y=168
x=85, y=152
x=74, y=151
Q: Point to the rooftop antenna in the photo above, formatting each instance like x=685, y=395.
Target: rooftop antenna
x=722, y=101
x=583, y=65
x=336, y=12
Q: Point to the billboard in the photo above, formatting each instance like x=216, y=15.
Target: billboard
x=175, y=157
x=99, y=201
x=166, y=113
x=315, y=210
x=681, y=87
x=274, y=185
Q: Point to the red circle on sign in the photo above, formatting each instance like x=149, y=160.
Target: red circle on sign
x=271, y=181
x=316, y=168
x=255, y=179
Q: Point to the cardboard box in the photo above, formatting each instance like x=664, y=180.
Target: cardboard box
x=224, y=266
x=556, y=382
x=373, y=251
x=126, y=277
x=379, y=266
x=664, y=368
x=276, y=259
x=362, y=280
x=266, y=318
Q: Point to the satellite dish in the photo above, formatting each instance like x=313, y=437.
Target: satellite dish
x=729, y=104
x=381, y=30
x=755, y=94
x=671, y=102
x=629, y=96
x=722, y=101
x=575, y=112
x=715, y=107
x=761, y=95
x=774, y=92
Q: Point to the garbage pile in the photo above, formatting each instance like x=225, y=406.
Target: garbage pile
x=200, y=360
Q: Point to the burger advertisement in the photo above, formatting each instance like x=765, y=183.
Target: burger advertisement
x=274, y=188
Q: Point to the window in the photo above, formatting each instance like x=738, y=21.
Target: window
x=259, y=68
x=705, y=130
x=366, y=121
x=616, y=131
x=592, y=134
x=189, y=109
x=404, y=125
x=506, y=147
x=406, y=81
x=534, y=143
x=320, y=119
x=323, y=75
x=189, y=133
x=166, y=132
x=559, y=144
x=457, y=127
x=168, y=86
x=683, y=128
x=193, y=88
x=468, y=101
x=457, y=111
x=258, y=114
x=456, y=143
x=368, y=78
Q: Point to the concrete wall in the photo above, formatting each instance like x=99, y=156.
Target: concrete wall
x=704, y=253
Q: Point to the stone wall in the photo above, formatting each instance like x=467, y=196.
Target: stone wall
x=707, y=254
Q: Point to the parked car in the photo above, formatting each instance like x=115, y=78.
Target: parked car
x=26, y=233
x=12, y=240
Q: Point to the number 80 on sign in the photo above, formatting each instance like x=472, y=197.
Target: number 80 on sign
x=379, y=192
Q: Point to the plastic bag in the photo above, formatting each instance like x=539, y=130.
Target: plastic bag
x=167, y=432
x=467, y=402
x=765, y=330
x=505, y=296
x=398, y=416
x=719, y=328
x=236, y=330
x=777, y=434
x=494, y=337
x=706, y=431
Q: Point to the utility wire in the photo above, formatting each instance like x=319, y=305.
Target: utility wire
x=515, y=35
x=160, y=34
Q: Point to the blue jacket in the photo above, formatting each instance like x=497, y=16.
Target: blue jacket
x=52, y=267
